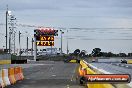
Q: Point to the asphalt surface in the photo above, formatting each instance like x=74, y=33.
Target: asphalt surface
x=48, y=75
x=115, y=68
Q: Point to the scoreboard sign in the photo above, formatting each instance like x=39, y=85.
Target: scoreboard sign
x=46, y=32
x=45, y=36
x=45, y=43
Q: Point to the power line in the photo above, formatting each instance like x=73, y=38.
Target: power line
x=71, y=28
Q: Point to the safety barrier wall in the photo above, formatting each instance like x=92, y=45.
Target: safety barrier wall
x=101, y=71
x=86, y=69
x=5, y=61
x=10, y=76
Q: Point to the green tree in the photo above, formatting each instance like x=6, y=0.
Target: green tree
x=77, y=52
x=96, y=52
x=82, y=53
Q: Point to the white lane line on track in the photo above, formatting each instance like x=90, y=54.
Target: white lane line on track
x=73, y=74
x=118, y=64
x=54, y=75
x=122, y=65
x=68, y=86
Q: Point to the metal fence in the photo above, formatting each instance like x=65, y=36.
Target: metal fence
x=5, y=56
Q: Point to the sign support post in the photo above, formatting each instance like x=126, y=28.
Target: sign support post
x=35, y=48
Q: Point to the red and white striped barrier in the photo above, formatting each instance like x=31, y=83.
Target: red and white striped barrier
x=10, y=76
x=5, y=77
x=1, y=80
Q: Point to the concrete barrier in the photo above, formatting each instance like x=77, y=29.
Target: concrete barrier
x=5, y=61
x=83, y=65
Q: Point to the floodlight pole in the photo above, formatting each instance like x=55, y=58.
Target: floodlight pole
x=32, y=47
x=61, y=40
x=20, y=44
x=6, y=25
x=67, y=42
x=35, y=46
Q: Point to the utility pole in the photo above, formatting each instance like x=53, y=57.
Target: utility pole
x=14, y=42
x=6, y=26
x=32, y=47
x=35, y=46
x=67, y=42
x=12, y=34
x=20, y=44
x=51, y=45
x=9, y=42
x=35, y=49
x=61, y=40
x=27, y=45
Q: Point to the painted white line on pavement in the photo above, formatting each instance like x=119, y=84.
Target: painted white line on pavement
x=130, y=84
x=68, y=86
x=53, y=75
x=122, y=65
x=73, y=74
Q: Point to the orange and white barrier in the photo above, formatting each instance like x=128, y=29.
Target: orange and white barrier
x=1, y=80
x=11, y=75
x=19, y=73
x=5, y=77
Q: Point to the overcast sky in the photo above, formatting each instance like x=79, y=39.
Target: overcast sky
x=106, y=24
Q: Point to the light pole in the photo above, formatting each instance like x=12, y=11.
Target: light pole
x=9, y=42
x=35, y=45
x=14, y=42
x=51, y=45
x=12, y=34
x=32, y=47
x=6, y=26
x=8, y=13
x=27, y=43
x=61, y=40
x=20, y=44
x=67, y=42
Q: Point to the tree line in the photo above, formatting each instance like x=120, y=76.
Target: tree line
x=96, y=52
